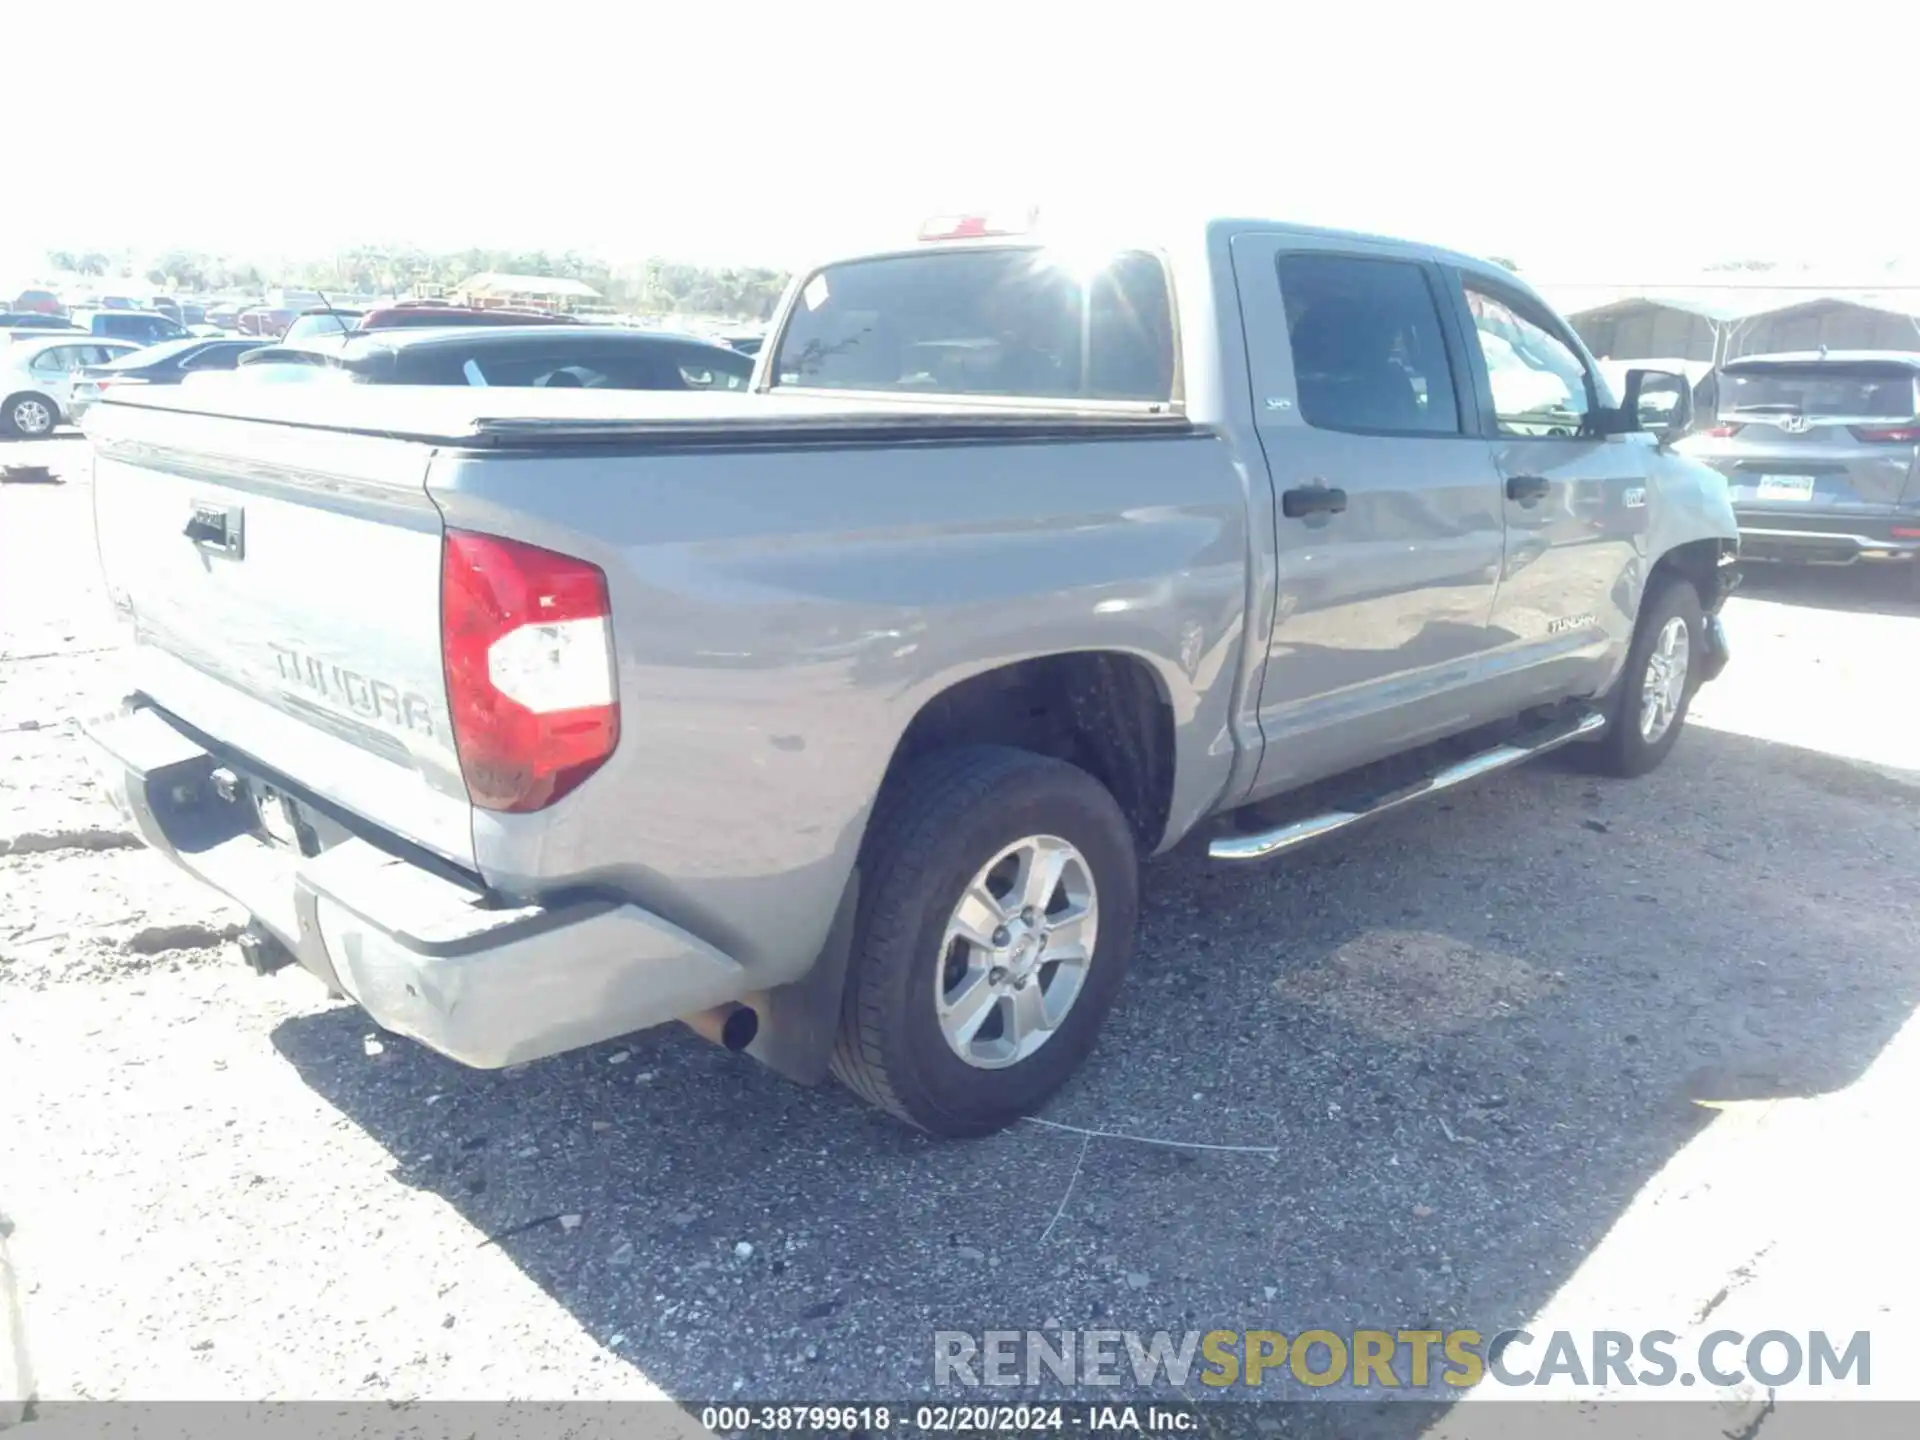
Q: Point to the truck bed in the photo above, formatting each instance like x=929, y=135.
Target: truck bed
x=791, y=579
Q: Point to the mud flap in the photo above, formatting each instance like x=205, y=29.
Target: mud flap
x=799, y=1020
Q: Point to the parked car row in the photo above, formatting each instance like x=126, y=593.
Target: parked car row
x=33, y=320
x=168, y=364
x=143, y=327
x=51, y=377
x=55, y=376
x=37, y=378
x=38, y=302
x=589, y=357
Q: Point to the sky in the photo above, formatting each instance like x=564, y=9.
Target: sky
x=1604, y=142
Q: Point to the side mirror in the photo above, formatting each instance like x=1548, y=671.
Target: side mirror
x=1659, y=401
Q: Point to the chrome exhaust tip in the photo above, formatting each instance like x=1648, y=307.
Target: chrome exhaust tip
x=731, y=1026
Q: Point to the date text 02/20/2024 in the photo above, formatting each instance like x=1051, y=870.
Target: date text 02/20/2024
x=963, y=1419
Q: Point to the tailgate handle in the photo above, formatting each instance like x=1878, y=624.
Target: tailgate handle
x=215, y=527
x=1528, y=488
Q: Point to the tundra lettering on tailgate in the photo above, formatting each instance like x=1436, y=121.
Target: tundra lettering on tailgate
x=375, y=699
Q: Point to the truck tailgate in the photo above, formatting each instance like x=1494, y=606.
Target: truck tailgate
x=283, y=584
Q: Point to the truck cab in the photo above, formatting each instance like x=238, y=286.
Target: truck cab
x=1464, y=514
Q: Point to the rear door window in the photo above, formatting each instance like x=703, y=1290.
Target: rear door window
x=307, y=326
x=1018, y=321
x=144, y=328
x=431, y=365
x=213, y=357
x=1828, y=390
x=543, y=366
x=557, y=370
x=705, y=370
x=1368, y=352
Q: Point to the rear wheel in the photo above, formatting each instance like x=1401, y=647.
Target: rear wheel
x=1649, y=702
x=1000, y=897
x=30, y=416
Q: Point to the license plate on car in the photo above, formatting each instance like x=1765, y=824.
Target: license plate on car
x=1784, y=487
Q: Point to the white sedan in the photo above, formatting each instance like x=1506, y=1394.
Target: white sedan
x=36, y=378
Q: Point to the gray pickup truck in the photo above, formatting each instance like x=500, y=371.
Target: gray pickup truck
x=833, y=718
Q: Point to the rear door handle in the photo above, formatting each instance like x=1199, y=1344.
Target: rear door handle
x=1528, y=488
x=1312, y=500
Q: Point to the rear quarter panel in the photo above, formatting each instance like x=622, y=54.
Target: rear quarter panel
x=780, y=616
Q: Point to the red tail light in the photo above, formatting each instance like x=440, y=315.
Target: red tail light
x=527, y=639
x=1725, y=432
x=1887, y=434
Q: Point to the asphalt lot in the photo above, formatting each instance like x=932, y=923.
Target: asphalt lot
x=1457, y=1046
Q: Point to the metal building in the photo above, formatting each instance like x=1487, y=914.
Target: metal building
x=1835, y=322
x=1718, y=325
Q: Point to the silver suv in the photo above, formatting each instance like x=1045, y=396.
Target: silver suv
x=1819, y=451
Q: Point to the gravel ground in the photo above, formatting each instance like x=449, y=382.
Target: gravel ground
x=1457, y=1045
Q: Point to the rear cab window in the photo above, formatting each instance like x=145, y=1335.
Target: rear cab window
x=306, y=326
x=1007, y=321
x=213, y=357
x=1835, y=390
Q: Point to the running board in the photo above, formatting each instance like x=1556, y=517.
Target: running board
x=1500, y=757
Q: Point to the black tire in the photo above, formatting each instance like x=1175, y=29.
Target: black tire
x=8, y=425
x=935, y=828
x=1624, y=751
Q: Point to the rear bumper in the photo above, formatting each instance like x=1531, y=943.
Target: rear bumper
x=1714, y=662
x=425, y=955
x=1826, y=539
